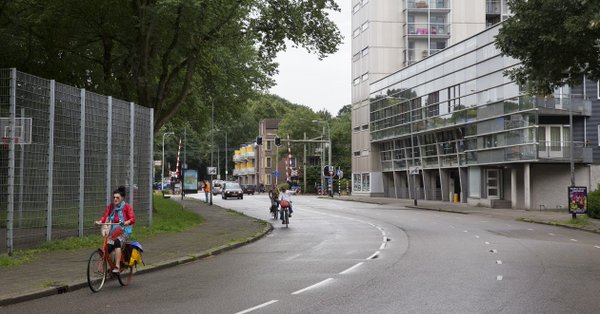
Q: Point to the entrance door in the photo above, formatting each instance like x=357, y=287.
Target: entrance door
x=493, y=183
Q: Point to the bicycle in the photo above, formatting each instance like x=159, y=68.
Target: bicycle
x=274, y=209
x=101, y=264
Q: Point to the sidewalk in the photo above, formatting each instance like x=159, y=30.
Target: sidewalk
x=59, y=272
x=558, y=218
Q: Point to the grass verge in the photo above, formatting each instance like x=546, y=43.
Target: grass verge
x=168, y=217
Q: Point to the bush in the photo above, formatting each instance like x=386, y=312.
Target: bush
x=593, y=203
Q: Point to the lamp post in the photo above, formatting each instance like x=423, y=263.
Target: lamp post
x=329, y=149
x=162, y=172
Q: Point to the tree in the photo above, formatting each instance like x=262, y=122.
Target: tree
x=158, y=53
x=557, y=42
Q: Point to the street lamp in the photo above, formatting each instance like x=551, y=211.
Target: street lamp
x=329, y=150
x=162, y=172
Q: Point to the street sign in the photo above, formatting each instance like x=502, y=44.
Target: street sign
x=329, y=180
x=158, y=163
x=414, y=169
x=340, y=173
x=211, y=170
x=276, y=173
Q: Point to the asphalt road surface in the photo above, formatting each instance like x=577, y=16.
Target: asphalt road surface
x=346, y=257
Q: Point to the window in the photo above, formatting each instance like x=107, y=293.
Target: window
x=365, y=127
x=356, y=8
x=365, y=51
x=364, y=77
x=598, y=89
x=268, y=162
x=269, y=143
x=357, y=153
x=356, y=182
x=356, y=32
x=356, y=57
x=364, y=26
x=356, y=81
x=366, y=186
x=357, y=128
x=268, y=180
x=364, y=2
x=453, y=97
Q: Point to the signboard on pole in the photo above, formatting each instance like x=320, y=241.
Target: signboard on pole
x=190, y=181
x=211, y=170
x=577, y=199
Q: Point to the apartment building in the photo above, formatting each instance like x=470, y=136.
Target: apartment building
x=388, y=35
x=259, y=164
x=452, y=127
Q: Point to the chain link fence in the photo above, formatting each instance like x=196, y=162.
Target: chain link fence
x=63, y=151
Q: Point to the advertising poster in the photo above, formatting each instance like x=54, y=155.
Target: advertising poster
x=190, y=181
x=577, y=199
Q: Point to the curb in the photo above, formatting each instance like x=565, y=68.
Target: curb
x=147, y=269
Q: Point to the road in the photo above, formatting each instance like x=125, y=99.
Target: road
x=345, y=257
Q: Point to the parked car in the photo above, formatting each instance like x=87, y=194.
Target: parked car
x=217, y=187
x=232, y=189
x=249, y=188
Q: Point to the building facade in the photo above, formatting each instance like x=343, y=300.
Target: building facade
x=257, y=164
x=389, y=35
x=453, y=127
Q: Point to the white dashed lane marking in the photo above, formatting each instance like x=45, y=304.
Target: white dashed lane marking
x=499, y=277
x=574, y=240
x=257, y=307
x=313, y=286
x=351, y=268
x=499, y=262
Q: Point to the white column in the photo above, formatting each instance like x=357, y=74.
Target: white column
x=527, y=186
x=513, y=188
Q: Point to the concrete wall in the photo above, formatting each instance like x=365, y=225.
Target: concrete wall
x=549, y=183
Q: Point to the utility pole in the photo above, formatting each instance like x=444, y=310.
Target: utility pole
x=304, y=165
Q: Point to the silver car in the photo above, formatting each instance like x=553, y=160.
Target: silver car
x=232, y=189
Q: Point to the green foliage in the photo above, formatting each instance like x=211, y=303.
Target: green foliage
x=283, y=186
x=556, y=41
x=177, y=55
x=593, y=203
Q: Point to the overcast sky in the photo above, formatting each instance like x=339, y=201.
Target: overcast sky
x=324, y=84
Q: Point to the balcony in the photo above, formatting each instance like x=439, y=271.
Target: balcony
x=561, y=151
x=435, y=30
x=550, y=106
x=417, y=5
x=492, y=7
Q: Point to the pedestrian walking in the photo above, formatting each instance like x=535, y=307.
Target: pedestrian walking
x=206, y=189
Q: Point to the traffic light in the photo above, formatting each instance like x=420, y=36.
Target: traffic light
x=259, y=140
x=277, y=141
x=326, y=171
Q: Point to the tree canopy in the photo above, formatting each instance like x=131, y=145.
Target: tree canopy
x=163, y=54
x=557, y=41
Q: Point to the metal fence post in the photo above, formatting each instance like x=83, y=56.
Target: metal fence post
x=131, y=150
x=50, y=160
x=82, y=162
x=11, y=161
x=108, y=150
x=151, y=165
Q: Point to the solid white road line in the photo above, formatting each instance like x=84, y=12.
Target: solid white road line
x=373, y=256
x=351, y=268
x=257, y=307
x=292, y=257
x=313, y=286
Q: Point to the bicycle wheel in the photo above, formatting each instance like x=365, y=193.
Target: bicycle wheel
x=286, y=217
x=96, y=271
x=125, y=276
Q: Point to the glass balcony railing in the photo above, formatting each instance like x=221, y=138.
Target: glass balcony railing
x=437, y=29
x=492, y=7
x=427, y=4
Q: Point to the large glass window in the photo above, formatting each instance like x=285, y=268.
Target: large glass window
x=366, y=182
x=356, y=178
